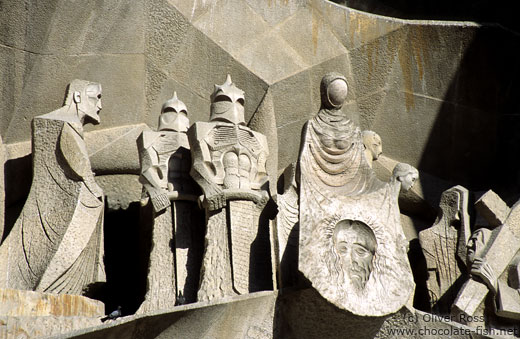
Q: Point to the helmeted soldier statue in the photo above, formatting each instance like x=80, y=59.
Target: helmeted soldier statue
x=165, y=164
x=229, y=165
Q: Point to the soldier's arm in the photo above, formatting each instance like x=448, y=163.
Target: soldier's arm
x=149, y=177
x=201, y=170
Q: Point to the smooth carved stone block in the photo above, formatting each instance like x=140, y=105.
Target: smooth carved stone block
x=352, y=247
x=18, y=303
x=56, y=245
x=43, y=327
x=492, y=208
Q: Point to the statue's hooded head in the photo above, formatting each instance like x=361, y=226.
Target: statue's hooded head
x=86, y=96
x=227, y=103
x=334, y=90
x=174, y=116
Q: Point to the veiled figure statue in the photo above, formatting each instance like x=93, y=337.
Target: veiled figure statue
x=56, y=244
x=352, y=247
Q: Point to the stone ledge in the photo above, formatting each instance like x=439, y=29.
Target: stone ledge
x=19, y=303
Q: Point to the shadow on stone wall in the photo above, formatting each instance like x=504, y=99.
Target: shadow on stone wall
x=474, y=140
x=125, y=263
x=18, y=177
x=500, y=12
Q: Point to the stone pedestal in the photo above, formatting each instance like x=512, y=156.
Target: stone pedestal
x=28, y=314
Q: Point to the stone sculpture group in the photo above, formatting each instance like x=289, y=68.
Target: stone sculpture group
x=343, y=220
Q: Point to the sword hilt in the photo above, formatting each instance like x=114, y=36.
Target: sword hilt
x=260, y=198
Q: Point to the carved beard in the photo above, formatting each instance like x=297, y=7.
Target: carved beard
x=358, y=274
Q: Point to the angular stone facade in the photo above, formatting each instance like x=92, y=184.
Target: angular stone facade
x=439, y=95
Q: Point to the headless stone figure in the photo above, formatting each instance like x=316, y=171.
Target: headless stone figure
x=229, y=165
x=442, y=245
x=56, y=245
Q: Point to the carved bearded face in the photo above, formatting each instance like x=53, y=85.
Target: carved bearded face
x=355, y=244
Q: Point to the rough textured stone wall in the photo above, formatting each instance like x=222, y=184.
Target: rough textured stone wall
x=440, y=94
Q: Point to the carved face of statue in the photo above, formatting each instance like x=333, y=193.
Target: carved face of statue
x=337, y=92
x=477, y=244
x=89, y=102
x=409, y=180
x=355, y=244
x=227, y=103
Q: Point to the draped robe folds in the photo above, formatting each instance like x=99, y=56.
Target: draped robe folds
x=56, y=244
x=336, y=183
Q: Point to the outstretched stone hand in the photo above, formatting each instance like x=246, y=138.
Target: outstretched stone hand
x=480, y=268
x=214, y=197
x=159, y=199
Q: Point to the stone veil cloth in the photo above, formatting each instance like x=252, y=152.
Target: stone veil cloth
x=336, y=183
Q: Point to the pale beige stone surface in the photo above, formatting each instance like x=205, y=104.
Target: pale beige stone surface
x=2, y=190
x=264, y=315
x=498, y=252
x=29, y=314
x=19, y=303
x=373, y=146
x=400, y=85
x=442, y=117
x=42, y=327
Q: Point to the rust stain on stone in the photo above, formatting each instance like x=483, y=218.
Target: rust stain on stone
x=419, y=47
x=404, y=60
x=352, y=27
x=413, y=54
x=315, y=30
